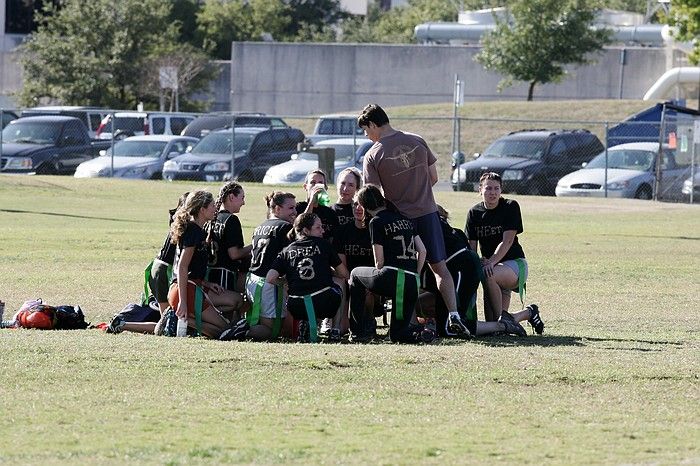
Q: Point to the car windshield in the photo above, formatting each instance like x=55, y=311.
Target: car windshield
x=220, y=143
x=339, y=126
x=640, y=160
x=526, y=148
x=31, y=133
x=138, y=149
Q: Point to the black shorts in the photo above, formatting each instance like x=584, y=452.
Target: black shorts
x=326, y=304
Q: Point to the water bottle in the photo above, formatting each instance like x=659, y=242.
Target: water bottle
x=324, y=199
x=6, y=323
x=181, y=328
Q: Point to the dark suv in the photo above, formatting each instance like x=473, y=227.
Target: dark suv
x=256, y=150
x=204, y=124
x=530, y=161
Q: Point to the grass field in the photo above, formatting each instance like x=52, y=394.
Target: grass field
x=613, y=380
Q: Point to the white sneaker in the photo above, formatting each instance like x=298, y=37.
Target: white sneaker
x=326, y=326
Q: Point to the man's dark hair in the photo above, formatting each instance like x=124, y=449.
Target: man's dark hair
x=372, y=113
x=490, y=176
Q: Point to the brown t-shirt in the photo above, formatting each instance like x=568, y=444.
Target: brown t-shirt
x=399, y=164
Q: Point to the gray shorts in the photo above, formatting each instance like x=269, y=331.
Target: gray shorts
x=511, y=264
x=269, y=296
x=159, y=282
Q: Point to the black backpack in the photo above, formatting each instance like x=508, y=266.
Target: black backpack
x=70, y=318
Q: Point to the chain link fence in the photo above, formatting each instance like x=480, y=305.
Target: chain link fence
x=651, y=157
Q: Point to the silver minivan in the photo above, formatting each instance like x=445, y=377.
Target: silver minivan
x=336, y=126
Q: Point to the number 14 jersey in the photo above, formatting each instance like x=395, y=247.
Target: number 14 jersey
x=395, y=234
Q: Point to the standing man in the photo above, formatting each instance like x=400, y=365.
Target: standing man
x=404, y=166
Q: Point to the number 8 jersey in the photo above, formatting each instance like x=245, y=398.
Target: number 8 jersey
x=307, y=265
x=395, y=234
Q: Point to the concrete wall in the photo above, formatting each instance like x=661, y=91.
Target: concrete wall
x=309, y=79
x=10, y=78
x=218, y=96
x=305, y=79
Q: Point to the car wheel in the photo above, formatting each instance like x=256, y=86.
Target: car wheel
x=157, y=176
x=48, y=168
x=245, y=176
x=643, y=192
x=534, y=189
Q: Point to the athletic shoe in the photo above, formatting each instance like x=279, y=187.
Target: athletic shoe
x=361, y=339
x=511, y=326
x=116, y=325
x=240, y=331
x=153, y=304
x=304, y=332
x=326, y=326
x=160, y=326
x=535, y=320
x=454, y=327
x=236, y=331
x=170, y=327
x=334, y=336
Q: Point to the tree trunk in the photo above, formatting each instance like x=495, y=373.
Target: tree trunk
x=530, y=90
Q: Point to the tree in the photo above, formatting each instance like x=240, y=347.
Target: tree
x=313, y=19
x=194, y=72
x=92, y=52
x=397, y=24
x=184, y=12
x=685, y=16
x=540, y=38
x=222, y=22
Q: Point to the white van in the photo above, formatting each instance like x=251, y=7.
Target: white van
x=336, y=126
x=143, y=123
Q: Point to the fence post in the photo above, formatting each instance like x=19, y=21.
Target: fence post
x=607, y=143
x=692, y=159
x=233, y=147
x=657, y=168
x=454, y=116
x=2, y=128
x=111, y=147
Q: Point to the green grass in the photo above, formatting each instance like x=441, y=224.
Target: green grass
x=613, y=380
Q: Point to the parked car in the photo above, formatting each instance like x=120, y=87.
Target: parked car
x=202, y=125
x=631, y=173
x=49, y=145
x=336, y=126
x=142, y=123
x=349, y=152
x=90, y=116
x=688, y=185
x=529, y=161
x=256, y=150
x=139, y=157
